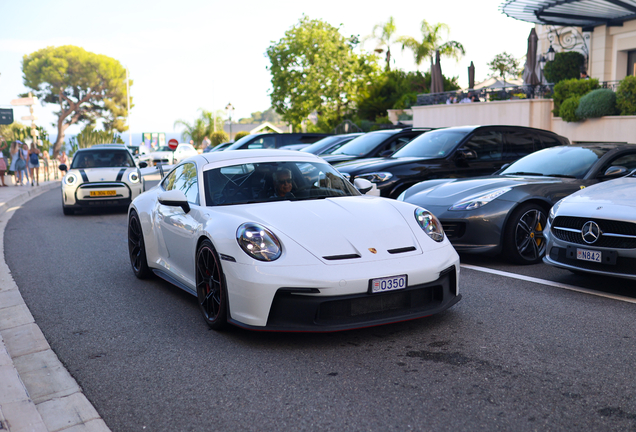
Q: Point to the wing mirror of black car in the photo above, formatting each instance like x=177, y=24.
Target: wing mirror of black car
x=363, y=185
x=466, y=154
x=143, y=164
x=174, y=198
x=616, y=171
x=63, y=167
x=386, y=153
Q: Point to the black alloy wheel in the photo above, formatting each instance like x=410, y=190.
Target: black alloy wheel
x=211, y=291
x=136, y=247
x=524, y=241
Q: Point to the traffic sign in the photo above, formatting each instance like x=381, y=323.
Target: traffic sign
x=24, y=101
x=6, y=116
x=31, y=117
x=173, y=143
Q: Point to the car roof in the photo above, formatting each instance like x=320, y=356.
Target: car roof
x=246, y=155
x=104, y=146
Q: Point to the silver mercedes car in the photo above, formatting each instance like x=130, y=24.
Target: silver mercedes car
x=594, y=230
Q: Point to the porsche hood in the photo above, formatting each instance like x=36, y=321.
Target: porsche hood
x=341, y=229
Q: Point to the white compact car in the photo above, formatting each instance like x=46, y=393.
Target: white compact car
x=167, y=156
x=279, y=240
x=102, y=175
x=594, y=230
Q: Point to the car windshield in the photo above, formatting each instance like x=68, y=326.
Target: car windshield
x=274, y=181
x=102, y=159
x=239, y=143
x=320, y=145
x=164, y=148
x=557, y=162
x=363, y=144
x=433, y=144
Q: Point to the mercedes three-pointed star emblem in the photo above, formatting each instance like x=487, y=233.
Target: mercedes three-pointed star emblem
x=590, y=232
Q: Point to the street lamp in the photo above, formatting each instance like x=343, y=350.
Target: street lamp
x=229, y=109
x=550, y=54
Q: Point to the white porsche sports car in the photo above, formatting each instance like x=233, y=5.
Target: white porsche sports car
x=102, y=175
x=594, y=230
x=279, y=240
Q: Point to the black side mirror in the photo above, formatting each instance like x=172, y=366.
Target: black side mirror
x=466, y=154
x=386, y=153
x=63, y=167
x=174, y=198
x=143, y=164
x=616, y=171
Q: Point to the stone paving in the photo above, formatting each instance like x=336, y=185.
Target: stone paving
x=36, y=392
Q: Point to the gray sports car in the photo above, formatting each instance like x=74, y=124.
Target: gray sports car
x=507, y=212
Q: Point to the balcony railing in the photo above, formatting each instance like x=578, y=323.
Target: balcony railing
x=510, y=92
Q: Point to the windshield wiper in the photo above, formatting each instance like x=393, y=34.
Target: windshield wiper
x=561, y=175
x=525, y=173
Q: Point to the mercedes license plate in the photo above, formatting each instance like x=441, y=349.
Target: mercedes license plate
x=388, y=284
x=103, y=193
x=588, y=255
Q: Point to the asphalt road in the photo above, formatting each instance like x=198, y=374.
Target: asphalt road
x=512, y=355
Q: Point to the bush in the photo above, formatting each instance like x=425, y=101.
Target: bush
x=217, y=138
x=568, y=109
x=626, y=96
x=597, y=103
x=569, y=88
x=566, y=65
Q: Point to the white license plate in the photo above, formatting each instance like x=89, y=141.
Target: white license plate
x=588, y=255
x=388, y=284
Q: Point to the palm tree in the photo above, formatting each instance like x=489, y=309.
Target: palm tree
x=432, y=36
x=384, y=35
x=195, y=131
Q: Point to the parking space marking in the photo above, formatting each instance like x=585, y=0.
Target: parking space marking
x=549, y=283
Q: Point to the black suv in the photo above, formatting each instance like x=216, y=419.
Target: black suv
x=377, y=143
x=275, y=140
x=456, y=152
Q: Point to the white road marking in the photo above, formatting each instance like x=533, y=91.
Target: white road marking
x=550, y=283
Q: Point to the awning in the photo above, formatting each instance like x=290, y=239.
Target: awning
x=578, y=13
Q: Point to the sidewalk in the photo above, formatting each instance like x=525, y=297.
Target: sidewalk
x=37, y=393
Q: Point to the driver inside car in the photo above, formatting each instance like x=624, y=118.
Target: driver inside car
x=283, y=184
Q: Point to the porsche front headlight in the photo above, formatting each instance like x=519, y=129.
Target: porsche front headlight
x=133, y=177
x=258, y=242
x=474, y=202
x=70, y=179
x=377, y=177
x=429, y=224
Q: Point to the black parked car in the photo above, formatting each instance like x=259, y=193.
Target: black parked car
x=456, y=152
x=507, y=212
x=275, y=140
x=374, y=144
x=330, y=144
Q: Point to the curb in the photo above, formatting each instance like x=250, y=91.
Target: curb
x=37, y=393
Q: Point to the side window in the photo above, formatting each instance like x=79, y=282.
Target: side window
x=627, y=161
x=519, y=144
x=487, y=145
x=267, y=141
x=548, y=141
x=184, y=178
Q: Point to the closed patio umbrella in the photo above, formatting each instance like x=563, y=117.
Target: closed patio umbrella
x=530, y=76
x=471, y=75
x=437, y=81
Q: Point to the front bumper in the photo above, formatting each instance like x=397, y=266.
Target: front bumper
x=104, y=194
x=323, y=298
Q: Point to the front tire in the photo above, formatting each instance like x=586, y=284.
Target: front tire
x=524, y=241
x=137, y=247
x=211, y=290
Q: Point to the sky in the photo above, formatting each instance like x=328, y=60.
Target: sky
x=188, y=55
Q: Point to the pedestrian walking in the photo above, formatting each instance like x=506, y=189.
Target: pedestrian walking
x=62, y=159
x=3, y=161
x=24, y=154
x=46, y=162
x=34, y=164
x=17, y=162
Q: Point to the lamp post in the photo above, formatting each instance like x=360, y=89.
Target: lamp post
x=551, y=54
x=229, y=109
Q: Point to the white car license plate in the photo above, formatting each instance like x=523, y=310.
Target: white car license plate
x=388, y=284
x=588, y=255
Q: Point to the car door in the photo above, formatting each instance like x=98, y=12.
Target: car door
x=178, y=228
x=481, y=154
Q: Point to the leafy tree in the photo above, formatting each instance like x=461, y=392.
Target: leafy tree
x=396, y=90
x=201, y=127
x=384, y=35
x=269, y=115
x=88, y=87
x=432, y=41
x=566, y=65
x=218, y=137
x=504, y=64
x=89, y=137
x=626, y=96
x=314, y=69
